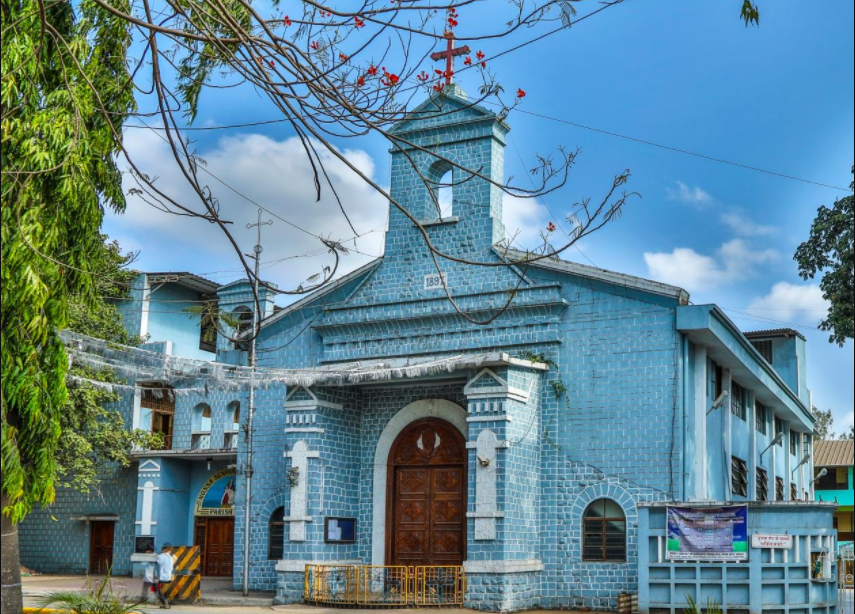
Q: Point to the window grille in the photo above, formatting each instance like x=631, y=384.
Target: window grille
x=779, y=489
x=762, y=485
x=276, y=535
x=760, y=418
x=765, y=349
x=794, y=492
x=737, y=401
x=739, y=476
x=604, y=532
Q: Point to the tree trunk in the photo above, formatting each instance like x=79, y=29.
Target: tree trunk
x=11, y=599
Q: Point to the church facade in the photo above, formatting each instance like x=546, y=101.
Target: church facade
x=524, y=450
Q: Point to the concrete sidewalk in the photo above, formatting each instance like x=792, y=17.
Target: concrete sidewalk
x=215, y=591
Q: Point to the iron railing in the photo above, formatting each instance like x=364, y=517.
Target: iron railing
x=389, y=585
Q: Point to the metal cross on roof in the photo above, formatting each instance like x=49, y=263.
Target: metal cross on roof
x=448, y=55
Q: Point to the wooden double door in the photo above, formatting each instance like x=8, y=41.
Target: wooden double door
x=101, y=534
x=216, y=538
x=426, y=496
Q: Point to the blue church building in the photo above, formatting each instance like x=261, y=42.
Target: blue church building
x=539, y=452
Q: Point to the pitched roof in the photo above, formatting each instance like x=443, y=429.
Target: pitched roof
x=604, y=275
x=186, y=279
x=838, y=453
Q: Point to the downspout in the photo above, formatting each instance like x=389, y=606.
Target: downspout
x=686, y=400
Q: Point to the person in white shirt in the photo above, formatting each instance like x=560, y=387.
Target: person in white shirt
x=164, y=573
x=149, y=577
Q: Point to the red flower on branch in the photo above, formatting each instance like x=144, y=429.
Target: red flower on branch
x=361, y=81
x=438, y=87
x=272, y=63
x=286, y=21
x=423, y=76
x=448, y=74
x=452, y=22
x=467, y=61
x=342, y=57
x=359, y=23
x=550, y=227
x=520, y=93
x=314, y=45
x=372, y=70
x=479, y=55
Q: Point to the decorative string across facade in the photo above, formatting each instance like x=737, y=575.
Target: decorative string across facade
x=141, y=365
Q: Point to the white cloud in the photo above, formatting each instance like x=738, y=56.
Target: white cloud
x=274, y=174
x=525, y=219
x=745, y=227
x=786, y=301
x=686, y=268
x=691, y=195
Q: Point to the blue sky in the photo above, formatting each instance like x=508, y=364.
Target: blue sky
x=687, y=75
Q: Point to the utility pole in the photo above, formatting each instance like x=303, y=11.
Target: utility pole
x=247, y=471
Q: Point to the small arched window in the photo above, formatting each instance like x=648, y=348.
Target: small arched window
x=202, y=418
x=604, y=532
x=443, y=190
x=276, y=535
x=234, y=408
x=243, y=315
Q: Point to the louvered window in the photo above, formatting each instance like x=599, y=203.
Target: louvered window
x=779, y=428
x=794, y=492
x=794, y=443
x=779, y=489
x=276, y=535
x=762, y=485
x=739, y=476
x=765, y=349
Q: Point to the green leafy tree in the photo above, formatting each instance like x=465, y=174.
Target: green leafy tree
x=823, y=428
x=829, y=250
x=65, y=89
x=94, y=434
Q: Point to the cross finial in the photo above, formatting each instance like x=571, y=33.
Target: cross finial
x=448, y=55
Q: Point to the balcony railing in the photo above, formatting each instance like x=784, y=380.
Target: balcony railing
x=200, y=441
x=230, y=440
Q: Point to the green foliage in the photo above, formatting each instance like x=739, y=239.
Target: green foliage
x=829, y=250
x=98, y=599
x=59, y=174
x=750, y=14
x=823, y=428
x=713, y=607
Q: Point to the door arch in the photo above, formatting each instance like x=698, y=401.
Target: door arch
x=426, y=495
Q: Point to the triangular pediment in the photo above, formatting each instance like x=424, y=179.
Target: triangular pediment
x=440, y=110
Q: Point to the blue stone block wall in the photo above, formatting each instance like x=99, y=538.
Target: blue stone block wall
x=52, y=541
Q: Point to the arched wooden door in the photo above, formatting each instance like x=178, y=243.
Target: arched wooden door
x=426, y=497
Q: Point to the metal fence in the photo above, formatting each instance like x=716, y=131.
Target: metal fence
x=394, y=586
x=846, y=581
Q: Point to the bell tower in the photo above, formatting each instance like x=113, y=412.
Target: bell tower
x=446, y=133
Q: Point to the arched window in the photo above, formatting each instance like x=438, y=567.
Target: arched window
x=276, y=534
x=444, y=193
x=202, y=418
x=243, y=315
x=234, y=408
x=604, y=532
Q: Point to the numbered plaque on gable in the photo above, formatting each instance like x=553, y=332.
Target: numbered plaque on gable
x=339, y=530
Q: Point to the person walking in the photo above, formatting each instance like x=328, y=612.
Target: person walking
x=164, y=573
x=149, y=577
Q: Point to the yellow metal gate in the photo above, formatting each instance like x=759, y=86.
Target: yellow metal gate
x=389, y=585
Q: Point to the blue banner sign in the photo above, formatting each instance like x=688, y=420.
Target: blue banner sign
x=708, y=533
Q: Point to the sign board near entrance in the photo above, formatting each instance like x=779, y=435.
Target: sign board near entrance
x=782, y=542
x=217, y=496
x=708, y=533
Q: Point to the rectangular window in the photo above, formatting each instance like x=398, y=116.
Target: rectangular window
x=794, y=443
x=716, y=376
x=832, y=479
x=762, y=485
x=765, y=349
x=739, y=476
x=806, y=446
x=161, y=403
x=737, y=400
x=794, y=492
x=779, y=428
x=760, y=418
x=779, y=489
